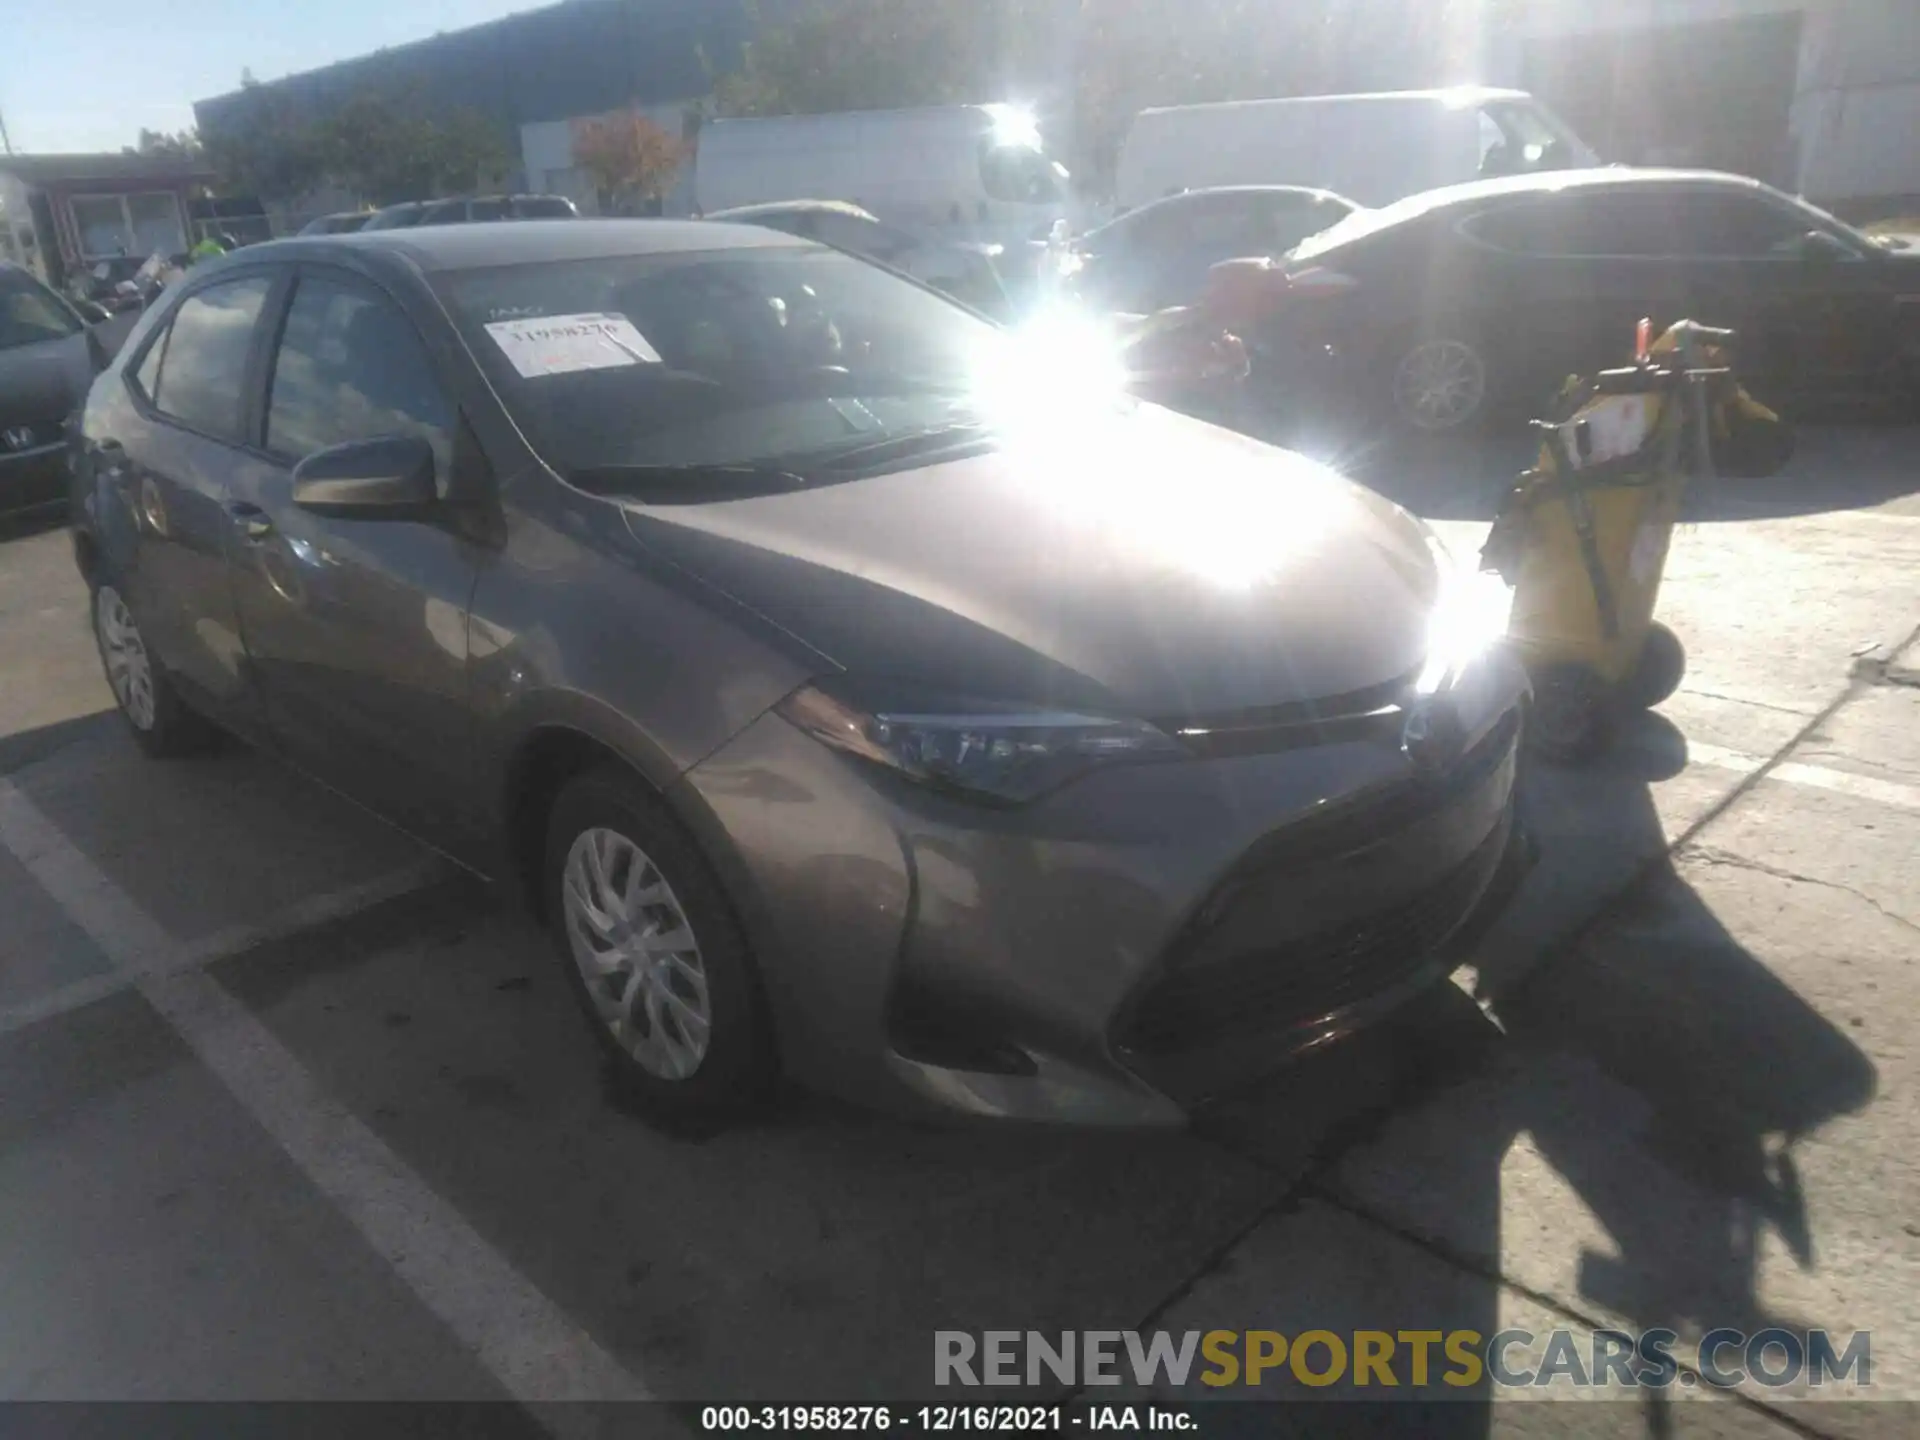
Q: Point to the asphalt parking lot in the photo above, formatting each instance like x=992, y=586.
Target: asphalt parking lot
x=289, y=1110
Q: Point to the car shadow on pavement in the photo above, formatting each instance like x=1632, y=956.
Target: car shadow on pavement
x=1657, y=1076
x=1609, y=1142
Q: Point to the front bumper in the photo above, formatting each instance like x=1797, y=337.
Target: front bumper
x=1124, y=949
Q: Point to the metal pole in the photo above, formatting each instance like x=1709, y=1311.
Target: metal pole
x=6, y=143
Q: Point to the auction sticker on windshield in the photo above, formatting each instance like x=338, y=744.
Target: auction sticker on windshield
x=561, y=344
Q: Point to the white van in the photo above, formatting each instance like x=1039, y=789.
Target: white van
x=1373, y=149
x=965, y=172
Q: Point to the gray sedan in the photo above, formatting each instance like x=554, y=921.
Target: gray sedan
x=861, y=692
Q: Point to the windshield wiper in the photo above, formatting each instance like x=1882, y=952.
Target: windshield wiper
x=897, y=446
x=685, y=484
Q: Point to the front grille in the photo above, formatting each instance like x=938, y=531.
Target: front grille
x=1341, y=829
x=1315, y=976
x=1372, y=713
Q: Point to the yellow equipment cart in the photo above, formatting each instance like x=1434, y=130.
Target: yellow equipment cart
x=1583, y=537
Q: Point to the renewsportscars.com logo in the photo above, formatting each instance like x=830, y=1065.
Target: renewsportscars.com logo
x=1392, y=1359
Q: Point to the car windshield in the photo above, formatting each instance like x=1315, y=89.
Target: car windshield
x=1359, y=224
x=739, y=356
x=1851, y=233
x=30, y=313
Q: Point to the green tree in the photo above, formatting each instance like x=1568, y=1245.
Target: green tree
x=275, y=154
x=183, y=145
x=384, y=149
x=886, y=54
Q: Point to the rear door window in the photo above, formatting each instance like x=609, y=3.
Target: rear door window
x=351, y=367
x=1650, y=224
x=490, y=210
x=200, y=381
x=544, y=207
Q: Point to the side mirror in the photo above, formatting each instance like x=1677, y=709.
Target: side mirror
x=386, y=479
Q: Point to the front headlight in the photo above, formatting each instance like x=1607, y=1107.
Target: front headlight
x=1469, y=617
x=988, y=750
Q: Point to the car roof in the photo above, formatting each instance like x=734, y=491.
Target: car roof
x=1188, y=197
x=1550, y=182
x=795, y=207
x=1458, y=96
x=1366, y=223
x=520, y=242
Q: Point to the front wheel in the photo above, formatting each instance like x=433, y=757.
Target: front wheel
x=652, y=951
x=162, y=724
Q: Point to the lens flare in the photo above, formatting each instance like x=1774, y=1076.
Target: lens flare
x=1015, y=125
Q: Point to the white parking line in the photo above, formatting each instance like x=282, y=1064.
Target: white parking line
x=312, y=911
x=536, y=1353
x=1815, y=777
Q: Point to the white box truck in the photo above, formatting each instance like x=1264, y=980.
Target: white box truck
x=965, y=172
x=1373, y=149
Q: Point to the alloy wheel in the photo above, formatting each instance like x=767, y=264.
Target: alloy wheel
x=637, y=954
x=1440, y=384
x=129, y=668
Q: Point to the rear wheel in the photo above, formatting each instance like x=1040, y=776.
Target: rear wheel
x=1440, y=383
x=652, y=951
x=1661, y=668
x=161, y=723
x=1573, y=714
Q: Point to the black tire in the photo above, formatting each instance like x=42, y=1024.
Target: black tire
x=162, y=724
x=1659, y=671
x=733, y=1073
x=1573, y=714
x=1444, y=346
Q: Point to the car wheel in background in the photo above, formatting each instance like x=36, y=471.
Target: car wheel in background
x=161, y=722
x=1440, y=383
x=653, y=952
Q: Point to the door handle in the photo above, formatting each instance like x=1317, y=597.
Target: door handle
x=252, y=520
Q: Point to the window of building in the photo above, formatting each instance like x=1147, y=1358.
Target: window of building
x=132, y=225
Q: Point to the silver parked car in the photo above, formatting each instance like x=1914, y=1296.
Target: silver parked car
x=864, y=692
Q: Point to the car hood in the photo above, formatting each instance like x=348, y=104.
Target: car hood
x=1142, y=563
x=42, y=383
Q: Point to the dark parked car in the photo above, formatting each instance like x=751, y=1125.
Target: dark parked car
x=1461, y=301
x=345, y=222
x=965, y=271
x=1159, y=255
x=853, y=700
x=462, y=212
x=47, y=361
